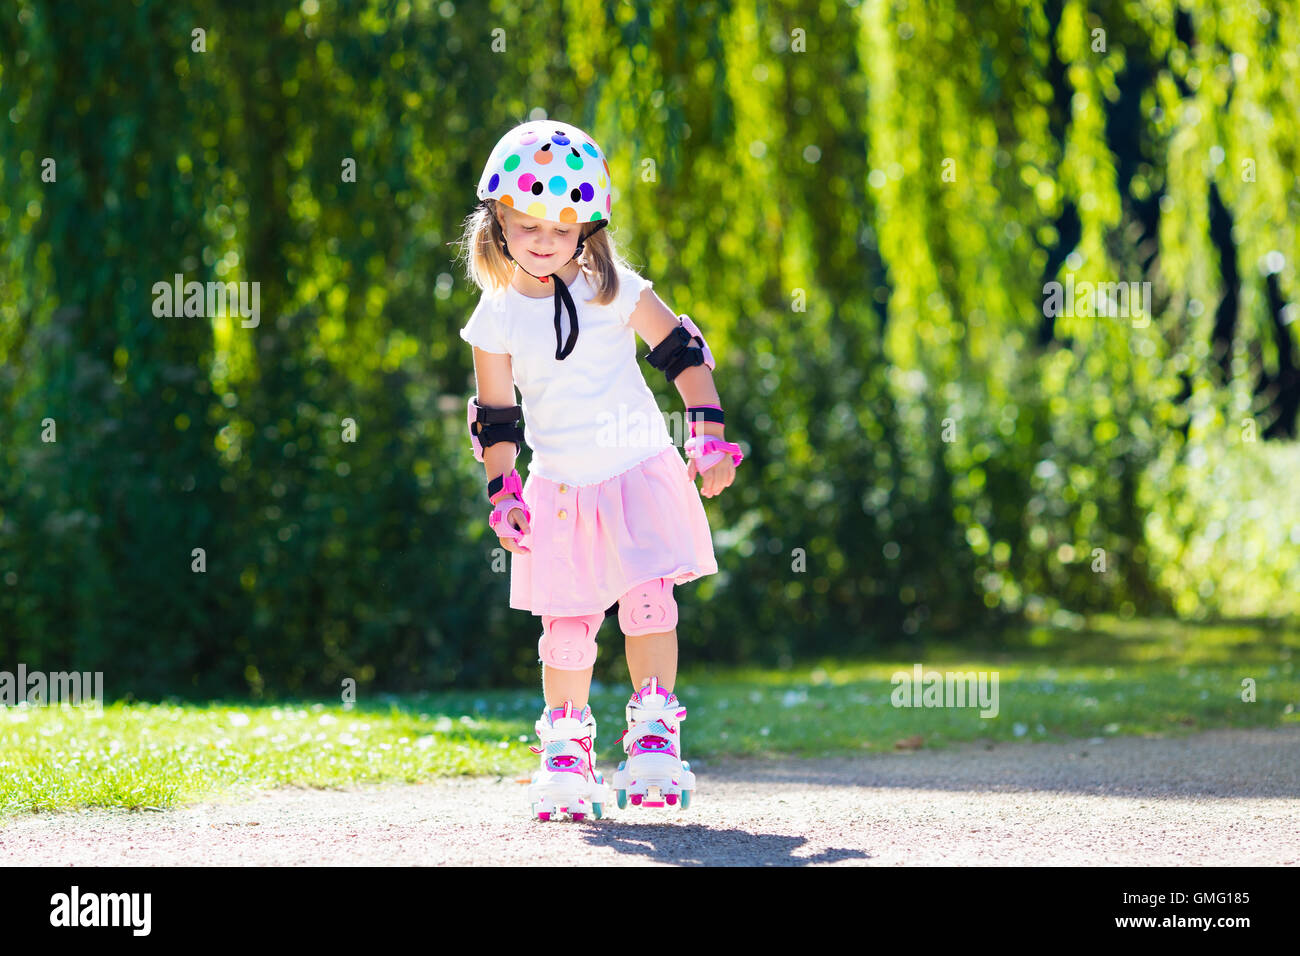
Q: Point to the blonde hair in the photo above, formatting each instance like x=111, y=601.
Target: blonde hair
x=487, y=267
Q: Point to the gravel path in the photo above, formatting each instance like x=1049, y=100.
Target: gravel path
x=1223, y=797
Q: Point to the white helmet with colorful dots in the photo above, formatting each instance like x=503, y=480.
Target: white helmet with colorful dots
x=549, y=170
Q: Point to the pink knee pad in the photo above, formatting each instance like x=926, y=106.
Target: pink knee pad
x=648, y=608
x=569, y=643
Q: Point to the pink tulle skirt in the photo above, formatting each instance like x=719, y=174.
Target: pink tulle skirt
x=591, y=544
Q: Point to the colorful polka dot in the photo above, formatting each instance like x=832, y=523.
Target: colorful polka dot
x=597, y=216
x=511, y=163
x=608, y=203
x=507, y=200
x=574, y=161
x=601, y=182
x=526, y=181
x=568, y=214
x=542, y=157
x=493, y=183
x=587, y=192
x=560, y=139
x=527, y=139
x=591, y=150
x=558, y=185
x=537, y=209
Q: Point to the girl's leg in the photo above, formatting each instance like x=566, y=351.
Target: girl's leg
x=652, y=655
x=561, y=685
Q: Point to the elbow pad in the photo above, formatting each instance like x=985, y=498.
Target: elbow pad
x=683, y=348
x=487, y=426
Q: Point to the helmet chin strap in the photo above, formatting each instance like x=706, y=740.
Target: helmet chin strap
x=562, y=297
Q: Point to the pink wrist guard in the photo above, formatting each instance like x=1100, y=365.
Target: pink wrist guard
x=503, y=502
x=708, y=450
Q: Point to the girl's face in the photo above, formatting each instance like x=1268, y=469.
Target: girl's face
x=538, y=243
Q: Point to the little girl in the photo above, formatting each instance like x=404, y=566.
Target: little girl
x=609, y=518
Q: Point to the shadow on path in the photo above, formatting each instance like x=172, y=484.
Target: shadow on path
x=691, y=844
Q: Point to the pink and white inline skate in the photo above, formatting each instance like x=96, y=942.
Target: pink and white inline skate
x=654, y=774
x=567, y=781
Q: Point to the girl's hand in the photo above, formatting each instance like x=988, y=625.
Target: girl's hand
x=716, y=478
x=519, y=524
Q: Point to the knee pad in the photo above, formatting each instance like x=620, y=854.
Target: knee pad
x=648, y=608
x=569, y=643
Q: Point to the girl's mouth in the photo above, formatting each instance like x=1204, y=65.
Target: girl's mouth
x=547, y=256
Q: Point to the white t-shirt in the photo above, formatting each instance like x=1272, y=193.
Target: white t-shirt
x=587, y=417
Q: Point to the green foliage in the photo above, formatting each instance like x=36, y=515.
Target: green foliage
x=859, y=203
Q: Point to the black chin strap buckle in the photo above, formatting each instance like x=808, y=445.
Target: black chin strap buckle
x=582, y=240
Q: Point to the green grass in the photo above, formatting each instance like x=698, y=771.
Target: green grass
x=1137, y=677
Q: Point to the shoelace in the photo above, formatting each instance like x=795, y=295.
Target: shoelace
x=585, y=744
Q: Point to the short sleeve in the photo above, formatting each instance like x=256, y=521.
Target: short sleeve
x=630, y=287
x=484, y=328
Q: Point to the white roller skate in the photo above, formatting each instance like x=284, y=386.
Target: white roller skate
x=654, y=774
x=567, y=781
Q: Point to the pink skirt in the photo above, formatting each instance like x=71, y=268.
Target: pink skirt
x=591, y=544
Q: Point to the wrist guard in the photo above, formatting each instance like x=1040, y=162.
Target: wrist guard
x=709, y=449
x=507, y=497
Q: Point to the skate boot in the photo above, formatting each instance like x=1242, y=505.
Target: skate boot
x=567, y=781
x=654, y=774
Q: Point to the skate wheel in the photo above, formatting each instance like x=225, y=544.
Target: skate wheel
x=578, y=817
x=622, y=799
x=672, y=799
x=686, y=799
x=597, y=809
x=636, y=799
x=544, y=816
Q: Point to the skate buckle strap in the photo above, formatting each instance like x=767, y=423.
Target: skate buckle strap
x=583, y=742
x=641, y=713
x=546, y=728
x=654, y=726
x=642, y=731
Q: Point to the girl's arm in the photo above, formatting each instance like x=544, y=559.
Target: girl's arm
x=696, y=387
x=653, y=321
x=496, y=389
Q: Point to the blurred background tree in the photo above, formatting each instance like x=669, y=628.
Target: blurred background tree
x=861, y=204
